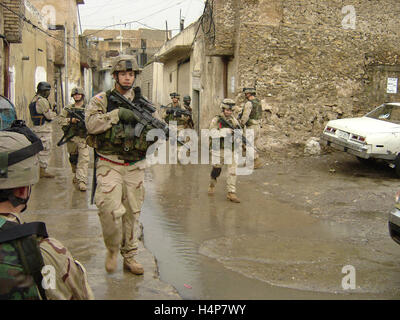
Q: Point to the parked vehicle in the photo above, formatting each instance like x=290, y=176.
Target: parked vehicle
x=394, y=221
x=373, y=136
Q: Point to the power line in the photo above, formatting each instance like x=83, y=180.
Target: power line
x=23, y=18
x=138, y=21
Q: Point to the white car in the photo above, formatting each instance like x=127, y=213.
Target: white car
x=373, y=136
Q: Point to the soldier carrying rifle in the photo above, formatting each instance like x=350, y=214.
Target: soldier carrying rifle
x=72, y=120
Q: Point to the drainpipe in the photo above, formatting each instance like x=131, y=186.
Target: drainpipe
x=66, y=63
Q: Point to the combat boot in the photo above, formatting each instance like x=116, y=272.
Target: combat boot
x=111, y=261
x=232, y=197
x=45, y=174
x=133, y=266
x=258, y=163
x=82, y=186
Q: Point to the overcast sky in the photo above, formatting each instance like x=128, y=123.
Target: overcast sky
x=98, y=14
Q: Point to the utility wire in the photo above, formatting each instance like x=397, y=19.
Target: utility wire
x=23, y=18
x=137, y=21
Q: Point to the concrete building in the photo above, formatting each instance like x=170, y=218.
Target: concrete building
x=108, y=44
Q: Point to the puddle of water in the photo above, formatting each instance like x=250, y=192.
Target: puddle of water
x=252, y=250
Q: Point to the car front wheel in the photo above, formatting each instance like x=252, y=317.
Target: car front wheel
x=397, y=165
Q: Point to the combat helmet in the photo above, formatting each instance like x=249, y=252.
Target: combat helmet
x=227, y=104
x=77, y=90
x=125, y=63
x=174, y=95
x=43, y=86
x=19, y=163
x=252, y=91
x=187, y=98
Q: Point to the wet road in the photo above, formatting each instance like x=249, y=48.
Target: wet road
x=270, y=246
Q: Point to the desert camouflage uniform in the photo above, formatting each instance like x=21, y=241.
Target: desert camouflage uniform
x=71, y=277
x=252, y=124
x=77, y=146
x=231, y=177
x=44, y=132
x=120, y=191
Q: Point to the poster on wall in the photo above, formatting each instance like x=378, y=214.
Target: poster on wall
x=391, y=85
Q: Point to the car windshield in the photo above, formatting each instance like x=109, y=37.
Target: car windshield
x=386, y=112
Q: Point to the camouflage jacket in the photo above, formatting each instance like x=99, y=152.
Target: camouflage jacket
x=70, y=276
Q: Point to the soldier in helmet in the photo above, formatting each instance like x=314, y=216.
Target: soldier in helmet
x=251, y=119
x=25, y=248
x=42, y=114
x=170, y=113
x=72, y=121
x=186, y=103
x=223, y=132
x=120, y=167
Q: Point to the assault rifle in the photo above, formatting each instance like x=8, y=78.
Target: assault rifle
x=238, y=129
x=69, y=131
x=142, y=114
x=177, y=112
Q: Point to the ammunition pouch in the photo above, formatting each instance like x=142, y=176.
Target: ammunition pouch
x=128, y=141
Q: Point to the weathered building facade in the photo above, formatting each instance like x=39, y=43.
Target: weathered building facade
x=108, y=44
x=64, y=65
x=310, y=61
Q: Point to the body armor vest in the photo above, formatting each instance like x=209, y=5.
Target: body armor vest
x=256, y=111
x=76, y=129
x=38, y=119
x=120, y=140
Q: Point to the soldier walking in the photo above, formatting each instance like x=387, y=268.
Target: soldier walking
x=72, y=121
x=220, y=123
x=26, y=248
x=120, y=167
x=42, y=114
x=251, y=119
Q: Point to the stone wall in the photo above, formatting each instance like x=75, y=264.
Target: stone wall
x=306, y=66
x=12, y=21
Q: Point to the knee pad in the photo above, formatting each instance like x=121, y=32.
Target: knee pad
x=215, y=173
x=73, y=159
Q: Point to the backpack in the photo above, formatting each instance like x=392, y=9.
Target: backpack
x=21, y=261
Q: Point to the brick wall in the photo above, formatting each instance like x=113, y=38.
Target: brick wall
x=12, y=23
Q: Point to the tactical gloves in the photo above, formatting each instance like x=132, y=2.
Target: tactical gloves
x=126, y=115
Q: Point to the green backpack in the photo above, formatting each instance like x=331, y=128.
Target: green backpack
x=21, y=261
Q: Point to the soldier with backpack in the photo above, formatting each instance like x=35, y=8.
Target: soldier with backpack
x=25, y=248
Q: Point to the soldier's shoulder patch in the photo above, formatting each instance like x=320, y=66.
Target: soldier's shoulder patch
x=100, y=96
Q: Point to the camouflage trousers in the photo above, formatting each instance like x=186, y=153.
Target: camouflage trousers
x=77, y=147
x=231, y=174
x=44, y=155
x=257, y=135
x=119, y=198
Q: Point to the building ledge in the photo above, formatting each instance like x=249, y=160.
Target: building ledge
x=176, y=51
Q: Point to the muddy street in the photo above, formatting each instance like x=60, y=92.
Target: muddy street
x=299, y=223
